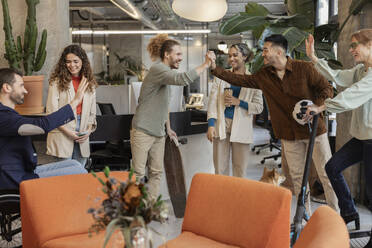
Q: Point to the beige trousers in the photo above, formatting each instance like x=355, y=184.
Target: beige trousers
x=295, y=153
x=148, y=148
x=221, y=154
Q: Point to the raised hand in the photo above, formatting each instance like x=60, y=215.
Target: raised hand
x=79, y=93
x=310, y=50
x=212, y=58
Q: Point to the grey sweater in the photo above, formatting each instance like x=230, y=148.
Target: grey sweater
x=153, y=102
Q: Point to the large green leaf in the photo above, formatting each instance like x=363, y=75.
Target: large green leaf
x=252, y=19
x=297, y=20
x=242, y=22
x=257, y=63
x=256, y=9
x=304, y=7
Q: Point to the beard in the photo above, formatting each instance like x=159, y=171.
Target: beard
x=17, y=98
x=174, y=64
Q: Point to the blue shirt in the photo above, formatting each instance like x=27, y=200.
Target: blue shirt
x=18, y=158
x=229, y=111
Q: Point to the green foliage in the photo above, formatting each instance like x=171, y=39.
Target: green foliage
x=14, y=53
x=131, y=66
x=303, y=7
x=295, y=27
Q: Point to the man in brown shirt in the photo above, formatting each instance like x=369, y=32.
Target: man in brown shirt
x=284, y=82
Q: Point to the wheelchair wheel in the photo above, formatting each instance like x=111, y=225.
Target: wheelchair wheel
x=11, y=232
x=10, y=219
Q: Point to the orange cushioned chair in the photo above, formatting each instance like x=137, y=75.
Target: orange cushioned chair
x=223, y=211
x=325, y=229
x=54, y=211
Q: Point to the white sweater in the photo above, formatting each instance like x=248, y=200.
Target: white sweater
x=242, y=125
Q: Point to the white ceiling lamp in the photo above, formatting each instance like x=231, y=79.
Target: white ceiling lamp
x=200, y=10
x=222, y=46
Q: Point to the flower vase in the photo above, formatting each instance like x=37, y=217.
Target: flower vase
x=139, y=237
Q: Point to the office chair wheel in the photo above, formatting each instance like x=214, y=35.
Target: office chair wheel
x=10, y=219
x=262, y=161
x=275, y=159
x=253, y=149
x=258, y=152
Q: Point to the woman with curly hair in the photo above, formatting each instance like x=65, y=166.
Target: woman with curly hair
x=71, y=141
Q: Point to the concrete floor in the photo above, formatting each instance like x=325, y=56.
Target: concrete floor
x=197, y=157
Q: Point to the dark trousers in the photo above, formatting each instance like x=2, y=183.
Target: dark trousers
x=352, y=152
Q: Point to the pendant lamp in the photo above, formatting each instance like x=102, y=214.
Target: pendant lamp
x=200, y=10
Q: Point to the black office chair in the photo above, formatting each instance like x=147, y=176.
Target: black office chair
x=115, y=154
x=273, y=143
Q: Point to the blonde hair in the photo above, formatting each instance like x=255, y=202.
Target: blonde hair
x=363, y=36
x=155, y=44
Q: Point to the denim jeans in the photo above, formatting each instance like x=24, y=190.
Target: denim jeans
x=352, y=152
x=66, y=167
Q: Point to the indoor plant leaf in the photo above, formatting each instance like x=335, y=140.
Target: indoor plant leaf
x=253, y=8
x=257, y=63
x=297, y=20
x=304, y=7
x=242, y=22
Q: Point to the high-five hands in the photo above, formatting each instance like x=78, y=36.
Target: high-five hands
x=212, y=57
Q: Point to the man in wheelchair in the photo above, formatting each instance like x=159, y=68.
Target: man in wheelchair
x=18, y=158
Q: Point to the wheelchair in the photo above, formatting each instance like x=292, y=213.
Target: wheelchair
x=10, y=219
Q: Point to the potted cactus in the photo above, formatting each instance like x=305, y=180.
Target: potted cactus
x=24, y=57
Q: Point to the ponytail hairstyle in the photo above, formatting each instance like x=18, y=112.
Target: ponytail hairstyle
x=155, y=44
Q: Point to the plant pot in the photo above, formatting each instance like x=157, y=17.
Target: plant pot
x=33, y=102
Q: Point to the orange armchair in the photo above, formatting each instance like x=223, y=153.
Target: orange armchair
x=224, y=211
x=325, y=229
x=54, y=211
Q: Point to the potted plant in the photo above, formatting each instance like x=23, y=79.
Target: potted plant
x=24, y=57
x=127, y=209
x=295, y=26
x=132, y=66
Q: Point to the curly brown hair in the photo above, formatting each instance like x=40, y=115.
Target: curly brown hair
x=63, y=76
x=155, y=44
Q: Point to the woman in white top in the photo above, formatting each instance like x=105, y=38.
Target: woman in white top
x=357, y=98
x=230, y=117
